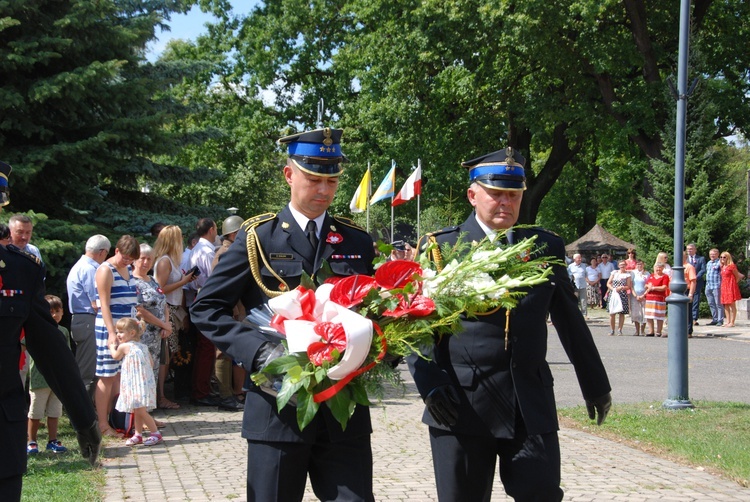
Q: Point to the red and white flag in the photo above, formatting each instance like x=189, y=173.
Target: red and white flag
x=412, y=187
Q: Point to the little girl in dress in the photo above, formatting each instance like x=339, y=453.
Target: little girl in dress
x=137, y=385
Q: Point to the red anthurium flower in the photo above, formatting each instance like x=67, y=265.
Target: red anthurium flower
x=334, y=337
x=397, y=273
x=334, y=279
x=420, y=306
x=334, y=238
x=350, y=291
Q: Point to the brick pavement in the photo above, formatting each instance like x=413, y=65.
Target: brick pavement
x=203, y=458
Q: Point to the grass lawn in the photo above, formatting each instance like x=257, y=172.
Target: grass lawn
x=63, y=476
x=713, y=435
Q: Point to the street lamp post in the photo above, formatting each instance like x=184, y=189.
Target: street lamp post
x=677, y=349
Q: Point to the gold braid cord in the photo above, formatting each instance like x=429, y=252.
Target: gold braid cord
x=253, y=252
x=437, y=256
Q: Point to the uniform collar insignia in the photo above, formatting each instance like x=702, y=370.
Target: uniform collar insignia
x=284, y=225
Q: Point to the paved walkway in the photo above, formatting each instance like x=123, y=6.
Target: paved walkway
x=203, y=456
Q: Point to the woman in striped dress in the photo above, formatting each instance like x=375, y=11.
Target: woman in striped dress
x=116, y=297
x=656, y=299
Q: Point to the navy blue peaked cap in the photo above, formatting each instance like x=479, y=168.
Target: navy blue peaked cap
x=500, y=170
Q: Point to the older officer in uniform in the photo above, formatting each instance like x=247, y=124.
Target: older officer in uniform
x=269, y=256
x=485, y=402
x=23, y=307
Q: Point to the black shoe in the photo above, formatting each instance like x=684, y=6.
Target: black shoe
x=230, y=404
x=205, y=401
x=713, y=323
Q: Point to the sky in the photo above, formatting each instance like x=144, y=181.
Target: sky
x=189, y=26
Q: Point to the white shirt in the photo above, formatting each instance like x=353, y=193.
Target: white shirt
x=302, y=220
x=202, y=256
x=491, y=233
x=605, y=270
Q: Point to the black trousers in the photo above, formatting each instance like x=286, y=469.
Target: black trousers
x=465, y=466
x=340, y=471
x=10, y=488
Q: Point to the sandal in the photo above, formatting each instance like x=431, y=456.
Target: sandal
x=153, y=439
x=111, y=433
x=136, y=439
x=166, y=404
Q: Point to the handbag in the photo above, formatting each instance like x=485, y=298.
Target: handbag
x=615, y=303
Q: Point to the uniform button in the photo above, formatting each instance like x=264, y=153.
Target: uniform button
x=515, y=338
x=513, y=365
x=281, y=272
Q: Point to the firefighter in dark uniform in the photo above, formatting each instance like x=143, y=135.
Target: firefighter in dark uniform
x=23, y=308
x=484, y=401
x=268, y=257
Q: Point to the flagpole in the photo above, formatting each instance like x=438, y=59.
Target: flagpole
x=393, y=194
x=419, y=166
x=369, y=189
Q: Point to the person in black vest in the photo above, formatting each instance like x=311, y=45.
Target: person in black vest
x=268, y=257
x=484, y=401
x=24, y=309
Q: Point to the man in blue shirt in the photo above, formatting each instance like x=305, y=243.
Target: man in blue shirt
x=81, y=285
x=713, y=288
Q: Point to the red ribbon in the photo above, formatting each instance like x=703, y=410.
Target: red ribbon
x=336, y=388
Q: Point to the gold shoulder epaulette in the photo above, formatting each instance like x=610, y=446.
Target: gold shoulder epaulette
x=257, y=220
x=347, y=222
x=25, y=254
x=442, y=231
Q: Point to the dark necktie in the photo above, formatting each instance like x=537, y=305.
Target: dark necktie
x=312, y=234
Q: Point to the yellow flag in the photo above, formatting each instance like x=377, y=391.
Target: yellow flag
x=362, y=195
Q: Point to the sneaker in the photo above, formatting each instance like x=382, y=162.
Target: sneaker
x=56, y=446
x=134, y=440
x=713, y=323
x=32, y=448
x=154, y=438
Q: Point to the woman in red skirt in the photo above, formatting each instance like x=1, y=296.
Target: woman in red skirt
x=730, y=289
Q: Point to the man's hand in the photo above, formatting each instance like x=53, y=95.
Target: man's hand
x=599, y=408
x=90, y=440
x=442, y=404
x=267, y=353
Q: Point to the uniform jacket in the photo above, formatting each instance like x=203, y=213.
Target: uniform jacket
x=22, y=305
x=495, y=382
x=283, y=255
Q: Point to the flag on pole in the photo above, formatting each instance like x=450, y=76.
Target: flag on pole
x=387, y=187
x=412, y=187
x=359, y=201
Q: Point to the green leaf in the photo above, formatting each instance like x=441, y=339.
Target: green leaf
x=359, y=394
x=324, y=273
x=306, y=281
x=281, y=365
x=306, y=409
x=342, y=407
x=289, y=387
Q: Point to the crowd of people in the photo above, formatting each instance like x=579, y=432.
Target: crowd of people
x=627, y=288
x=122, y=364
